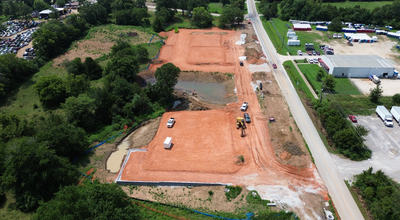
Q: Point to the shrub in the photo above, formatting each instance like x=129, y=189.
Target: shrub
x=176, y=30
x=233, y=192
x=210, y=193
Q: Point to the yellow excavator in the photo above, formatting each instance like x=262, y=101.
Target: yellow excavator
x=241, y=124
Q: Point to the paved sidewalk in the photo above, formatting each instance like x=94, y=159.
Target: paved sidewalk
x=292, y=58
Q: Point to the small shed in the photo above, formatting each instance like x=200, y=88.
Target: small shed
x=322, y=28
x=168, y=143
x=301, y=27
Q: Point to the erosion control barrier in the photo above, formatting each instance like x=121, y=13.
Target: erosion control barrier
x=148, y=65
x=248, y=215
x=128, y=132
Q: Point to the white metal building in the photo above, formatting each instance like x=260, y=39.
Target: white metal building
x=357, y=66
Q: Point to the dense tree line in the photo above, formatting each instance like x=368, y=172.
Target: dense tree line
x=54, y=36
x=37, y=154
x=348, y=140
x=310, y=10
x=380, y=192
x=13, y=71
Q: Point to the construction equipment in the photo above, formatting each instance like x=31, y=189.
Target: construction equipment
x=241, y=63
x=271, y=119
x=240, y=124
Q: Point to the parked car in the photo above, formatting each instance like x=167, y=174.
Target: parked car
x=299, y=53
x=244, y=106
x=274, y=65
x=309, y=53
x=318, y=53
x=352, y=118
x=314, y=53
x=311, y=60
x=315, y=60
x=247, y=118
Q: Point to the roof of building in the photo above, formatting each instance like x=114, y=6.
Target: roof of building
x=301, y=26
x=362, y=61
x=358, y=36
x=47, y=11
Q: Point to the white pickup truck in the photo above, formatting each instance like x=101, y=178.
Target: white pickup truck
x=244, y=106
x=171, y=122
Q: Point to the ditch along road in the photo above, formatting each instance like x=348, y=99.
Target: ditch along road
x=338, y=190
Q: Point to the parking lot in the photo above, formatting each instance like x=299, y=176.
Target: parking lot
x=385, y=145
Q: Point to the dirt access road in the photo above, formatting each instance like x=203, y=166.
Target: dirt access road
x=206, y=144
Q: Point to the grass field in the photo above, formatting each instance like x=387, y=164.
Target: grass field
x=215, y=8
x=9, y=212
x=368, y=5
x=314, y=36
x=343, y=85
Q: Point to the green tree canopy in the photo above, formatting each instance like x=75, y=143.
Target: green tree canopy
x=328, y=82
x=167, y=77
x=157, y=25
x=92, y=69
x=76, y=84
x=51, y=90
x=375, y=94
x=126, y=67
x=80, y=111
x=192, y=4
x=40, y=5
x=230, y=15
x=93, y=13
x=67, y=140
x=202, y=18
x=92, y=201
x=396, y=98
x=335, y=25
x=34, y=173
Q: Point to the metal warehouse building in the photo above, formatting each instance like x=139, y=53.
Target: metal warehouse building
x=357, y=66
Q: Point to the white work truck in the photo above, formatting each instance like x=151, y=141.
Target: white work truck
x=385, y=115
x=171, y=122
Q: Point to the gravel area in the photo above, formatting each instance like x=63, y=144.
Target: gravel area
x=385, y=145
x=389, y=86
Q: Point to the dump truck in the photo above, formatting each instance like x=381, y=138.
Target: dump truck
x=396, y=113
x=385, y=115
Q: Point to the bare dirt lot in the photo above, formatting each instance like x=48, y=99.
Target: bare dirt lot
x=100, y=39
x=206, y=144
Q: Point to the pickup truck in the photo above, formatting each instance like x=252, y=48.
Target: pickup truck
x=244, y=106
x=171, y=122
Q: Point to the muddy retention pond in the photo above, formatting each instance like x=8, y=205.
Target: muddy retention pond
x=211, y=87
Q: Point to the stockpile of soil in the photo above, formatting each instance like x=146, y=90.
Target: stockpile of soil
x=252, y=55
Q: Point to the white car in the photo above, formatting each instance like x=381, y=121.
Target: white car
x=311, y=60
x=315, y=60
x=171, y=122
x=299, y=53
x=244, y=106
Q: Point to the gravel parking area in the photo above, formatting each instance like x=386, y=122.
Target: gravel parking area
x=389, y=86
x=385, y=145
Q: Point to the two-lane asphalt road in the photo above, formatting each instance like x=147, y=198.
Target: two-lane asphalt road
x=341, y=196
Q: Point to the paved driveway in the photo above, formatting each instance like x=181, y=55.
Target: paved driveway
x=385, y=145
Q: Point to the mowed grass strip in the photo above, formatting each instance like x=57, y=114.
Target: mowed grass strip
x=367, y=5
x=297, y=81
